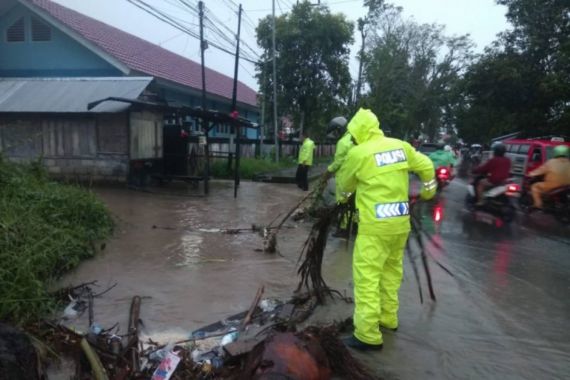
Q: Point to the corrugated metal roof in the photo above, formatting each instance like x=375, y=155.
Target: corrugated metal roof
x=68, y=95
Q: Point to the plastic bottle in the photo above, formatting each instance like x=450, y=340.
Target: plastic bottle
x=229, y=338
x=159, y=355
x=115, y=344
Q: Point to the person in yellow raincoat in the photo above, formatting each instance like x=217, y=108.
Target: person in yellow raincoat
x=556, y=172
x=305, y=161
x=377, y=169
x=337, y=127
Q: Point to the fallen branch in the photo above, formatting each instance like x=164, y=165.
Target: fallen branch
x=312, y=254
x=415, y=270
x=134, y=317
x=252, y=308
x=416, y=232
x=99, y=372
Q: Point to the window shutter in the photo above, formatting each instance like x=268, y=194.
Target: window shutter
x=16, y=32
x=40, y=31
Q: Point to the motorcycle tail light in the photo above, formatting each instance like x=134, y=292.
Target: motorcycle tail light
x=442, y=173
x=437, y=214
x=513, y=188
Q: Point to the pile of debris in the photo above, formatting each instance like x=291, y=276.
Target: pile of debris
x=260, y=343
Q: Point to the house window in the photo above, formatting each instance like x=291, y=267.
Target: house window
x=40, y=31
x=16, y=32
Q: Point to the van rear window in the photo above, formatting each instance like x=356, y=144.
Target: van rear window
x=514, y=148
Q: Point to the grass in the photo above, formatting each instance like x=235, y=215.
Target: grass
x=250, y=167
x=46, y=229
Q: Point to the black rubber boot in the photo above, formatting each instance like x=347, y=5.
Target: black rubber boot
x=381, y=326
x=353, y=342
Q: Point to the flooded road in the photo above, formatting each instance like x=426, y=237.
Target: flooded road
x=169, y=249
x=505, y=314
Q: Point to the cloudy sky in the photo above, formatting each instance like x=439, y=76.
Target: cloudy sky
x=482, y=19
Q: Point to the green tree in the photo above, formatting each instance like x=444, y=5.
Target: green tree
x=522, y=82
x=412, y=71
x=312, y=51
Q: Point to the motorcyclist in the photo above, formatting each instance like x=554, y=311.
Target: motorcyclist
x=337, y=127
x=377, y=169
x=496, y=171
x=443, y=157
x=475, y=154
x=449, y=149
x=556, y=172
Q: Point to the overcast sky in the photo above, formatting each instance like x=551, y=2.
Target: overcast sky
x=482, y=19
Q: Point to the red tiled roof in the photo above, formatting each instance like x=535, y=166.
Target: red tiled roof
x=145, y=57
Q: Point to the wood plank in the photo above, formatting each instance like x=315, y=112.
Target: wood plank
x=242, y=347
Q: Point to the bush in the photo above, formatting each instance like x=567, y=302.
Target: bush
x=250, y=167
x=46, y=229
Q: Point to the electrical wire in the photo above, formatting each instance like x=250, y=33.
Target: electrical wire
x=161, y=15
x=325, y=4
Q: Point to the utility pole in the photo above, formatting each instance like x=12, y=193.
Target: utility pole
x=262, y=126
x=275, y=131
x=234, y=107
x=203, y=46
x=362, y=29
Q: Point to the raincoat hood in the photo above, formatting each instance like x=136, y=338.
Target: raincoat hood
x=364, y=126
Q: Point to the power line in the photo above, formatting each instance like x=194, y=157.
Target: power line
x=325, y=4
x=215, y=21
x=170, y=21
x=288, y=3
x=246, y=70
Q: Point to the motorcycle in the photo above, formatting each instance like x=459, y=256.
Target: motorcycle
x=443, y=176
x=556, y=201
x=498, y=205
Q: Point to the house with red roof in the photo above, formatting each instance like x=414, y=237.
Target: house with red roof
x=54, y=61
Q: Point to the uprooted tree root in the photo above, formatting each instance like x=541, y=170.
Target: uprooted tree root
x=311, y=258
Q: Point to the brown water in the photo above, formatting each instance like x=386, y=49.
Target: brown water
x=504, y=315
x=192, y=273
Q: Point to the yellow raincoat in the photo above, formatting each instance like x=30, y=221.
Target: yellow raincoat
x=343, y=145
x=306, y=152
x=377, y=169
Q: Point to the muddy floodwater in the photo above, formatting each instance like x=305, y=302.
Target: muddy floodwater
x=504, y=315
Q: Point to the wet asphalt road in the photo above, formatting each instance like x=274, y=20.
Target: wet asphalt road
x=504, y=315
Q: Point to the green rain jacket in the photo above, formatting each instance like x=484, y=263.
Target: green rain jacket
x=442, y=158
x=377, y=169
x=306, y=152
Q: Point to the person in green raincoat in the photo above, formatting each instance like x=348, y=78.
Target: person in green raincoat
x=377, y=170
x=442, y=157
